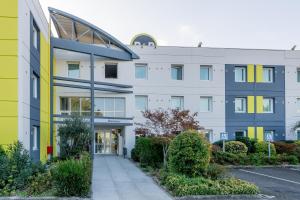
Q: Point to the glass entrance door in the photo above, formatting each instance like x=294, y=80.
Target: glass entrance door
x=106, y=141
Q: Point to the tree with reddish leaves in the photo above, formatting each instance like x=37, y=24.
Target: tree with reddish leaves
x=166, y=124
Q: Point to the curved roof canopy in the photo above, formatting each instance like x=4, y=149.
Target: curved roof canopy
x=143, y=39
x=73, y=28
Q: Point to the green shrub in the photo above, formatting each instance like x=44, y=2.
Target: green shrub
x=4, y=168
x=262, y=147
x=189, y=154
x=235, y=147
x=72, y=177
x=215, y=171
x=249, y=142
x=134, y=155
x=283, y=147
x=40, y=183
x=181, y=185
x=290, y=159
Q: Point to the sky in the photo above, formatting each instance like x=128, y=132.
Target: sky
x=261, y=24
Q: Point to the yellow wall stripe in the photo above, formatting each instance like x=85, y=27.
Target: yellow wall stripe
x=260, y=133
x=251, y=132
x=259, y=73
x=250, y=73
x=250, y=104
x=259, y=104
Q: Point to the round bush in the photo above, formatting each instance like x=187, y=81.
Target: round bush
x=236, y=147
x=189, y=154
x=262, y=147
x=249, y=142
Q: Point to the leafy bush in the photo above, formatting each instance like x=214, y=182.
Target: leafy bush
x=249, y=142
x=290, y=159
x=134, y=155
x=181, y=185
x=149, y=152
x=40, y=183
x=215, y=171
x=72, y=177
x=75, y=137
x=283, y=147
x=189, y=154
x=262, y=147
x=236, y=147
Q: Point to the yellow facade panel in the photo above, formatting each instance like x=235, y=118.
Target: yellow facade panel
x=259, y=73
x=8, y=130
x=9, y=8
x=8, y=109
x=260, y=133
x=9, y=89
x=8, y=47
x=250, y=102
x=259, y=104
x=251, y=132
x=250, y=73
x=8, y=67
x=9, y=28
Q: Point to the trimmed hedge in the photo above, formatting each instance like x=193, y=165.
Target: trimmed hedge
x=189, y=154
x=262, y=147
x=236, y=147
x=181, y=185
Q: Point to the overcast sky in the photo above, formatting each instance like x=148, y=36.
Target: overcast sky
x=217, y=23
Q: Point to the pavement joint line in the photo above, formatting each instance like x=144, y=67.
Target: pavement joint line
x=274, y=177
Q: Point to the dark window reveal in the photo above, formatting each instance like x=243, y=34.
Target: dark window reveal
x=111, y=71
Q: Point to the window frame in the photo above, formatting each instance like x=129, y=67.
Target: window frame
x=69, y=65
x=243, y=74
x=34, y=132
x=272, y=105
x=272, y=74
x=240, y=131
x=35, y=86
x=298, y=104
x=176, y=66
x=181, y=100
x=146, y=98
x=298, y=75
x=35, y=36
x=243, y=105
x=145, y=66
x=210, y=104
x=110, y=65
x=210, y=72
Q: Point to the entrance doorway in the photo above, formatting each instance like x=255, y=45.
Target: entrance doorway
x=107, y=140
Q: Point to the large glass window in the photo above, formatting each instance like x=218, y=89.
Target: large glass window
x=75, y=105
x=177, y=72
x=268, y=73
x=205, y=73
x=177, y=102
x=111, y=71
x=141, y=71
x=206, y=104
x=240, y=74
x=73, y=70
x=85, y=106
x=141, y=102
x=240, y=104
x=110, y=106
x=298, y=75
x=268, y=105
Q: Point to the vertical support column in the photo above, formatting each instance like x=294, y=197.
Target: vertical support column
x=51, y=96
x=92, y=105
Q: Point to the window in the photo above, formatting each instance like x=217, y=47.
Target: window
x=177, y=102
x=266, y=133
x=34, y=133
x=205, y=73
x=240, y=134
x=110, y=107
x=35, y=82
x=240, y=104
x=111, y=71
x=73, y=70
x=205, y=104
x=35, y=36
x=209, y=135
x=298, y=105
x=298, y=75
x=298, y=134
x=240, y=74
x=141, y=71
x=268, y=73
x=268, y=105
x=64, y=104
x=177, y=72
x=141, y=102
x=75, y=105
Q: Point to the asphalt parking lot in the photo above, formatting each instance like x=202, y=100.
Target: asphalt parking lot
x=276, y=183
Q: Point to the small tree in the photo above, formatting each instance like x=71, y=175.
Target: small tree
x=75, y=136
x=166, y=124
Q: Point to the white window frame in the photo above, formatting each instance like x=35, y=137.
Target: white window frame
x=181, y=99
x=177, y=67
x=271, y=100
x=298, y=104
x=145, y=66
x=35, y=86
x=270, y=74
x=210, y=104
x=73, y=63
x=244, y=74
x=35, y=138
x=141, y=96
x=210, y=71
x=298, y=75
x=35, y=36
x=244, y=104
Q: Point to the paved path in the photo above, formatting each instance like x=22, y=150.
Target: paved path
x=116, y=178
x=281, y=183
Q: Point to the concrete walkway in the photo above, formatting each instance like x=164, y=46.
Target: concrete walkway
x=116, y=178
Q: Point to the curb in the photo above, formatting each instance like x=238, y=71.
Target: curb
x=225, y=197
x=43, y=198
x=261, y=166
